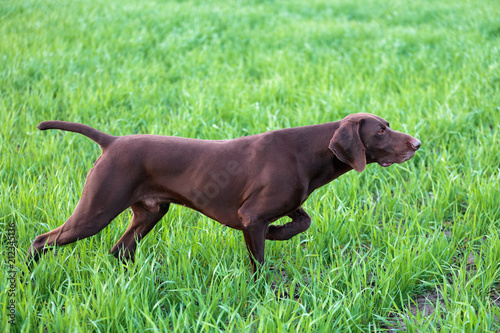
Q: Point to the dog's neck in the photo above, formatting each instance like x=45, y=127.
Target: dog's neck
x=323, y=166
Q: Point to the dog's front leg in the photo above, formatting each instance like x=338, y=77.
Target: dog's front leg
x=254, y=230
x=255, y=240
x=300, y=223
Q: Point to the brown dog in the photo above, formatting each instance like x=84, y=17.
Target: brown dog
x=244, y=183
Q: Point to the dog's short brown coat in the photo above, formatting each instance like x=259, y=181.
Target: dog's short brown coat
x=245, y=183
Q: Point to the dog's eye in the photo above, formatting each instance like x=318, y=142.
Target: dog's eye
x=381, y=132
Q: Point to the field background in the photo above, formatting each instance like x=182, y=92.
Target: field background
x=410, y=247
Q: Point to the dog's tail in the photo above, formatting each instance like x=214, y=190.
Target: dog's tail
x=101, y=138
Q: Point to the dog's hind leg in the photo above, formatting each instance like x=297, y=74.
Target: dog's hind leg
x=103, y=198
x=143, y=221
x=80, y=225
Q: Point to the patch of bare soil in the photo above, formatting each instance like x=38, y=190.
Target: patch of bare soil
x=426, y=303
x=495, y=297
x=279, y=277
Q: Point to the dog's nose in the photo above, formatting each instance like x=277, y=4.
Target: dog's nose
x=415, y=144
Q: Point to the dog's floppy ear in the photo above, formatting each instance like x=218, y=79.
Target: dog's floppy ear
x=347, y=146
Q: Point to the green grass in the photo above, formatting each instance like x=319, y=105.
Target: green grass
x=380, y=240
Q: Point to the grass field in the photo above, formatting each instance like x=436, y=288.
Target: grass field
x=412, y=247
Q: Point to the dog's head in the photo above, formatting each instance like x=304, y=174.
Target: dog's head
x=364, y=138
